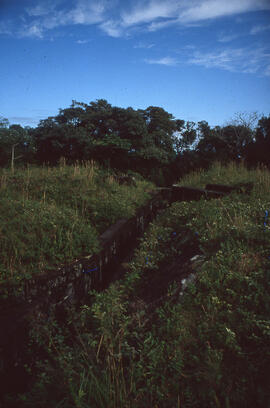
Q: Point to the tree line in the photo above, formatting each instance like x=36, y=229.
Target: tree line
x=151, y=142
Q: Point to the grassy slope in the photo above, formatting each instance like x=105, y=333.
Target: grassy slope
x=53, y=215
x=207, y=348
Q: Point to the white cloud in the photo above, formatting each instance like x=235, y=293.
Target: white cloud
x=235, y=60
x=144, y=45
x=188, y=47
x=82, y=41
x=224, y=38
x=267, y=71
x=162, y=61
x=25, y=120
x=4, y=28
x=152, y=10
x=46, y=17
x=32, y=30
x=259, y=28
x=157, y=14
x=112, y=28
x=161, y=24
x=39, y=10
x=209, y=9
x=221, y=59
x=85, y=12
x=150, y=15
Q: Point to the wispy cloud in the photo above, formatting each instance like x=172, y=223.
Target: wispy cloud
x=267, y=71
x=259, y=28
x=235, y=60
x=85, y=12
x=40, y=9
x=224, y=38
x=5, y=28
x=112, y=28
x=221, y=59
x=31, y=30
x=149, y=15
x=159, y=25
x=82, y=41
x=144, y=45
x=157, y=14
x=210, y=9
x=149, y=11
x=169, y=61
x=43, y=17
x=25, y=120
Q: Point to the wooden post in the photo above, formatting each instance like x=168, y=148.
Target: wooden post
x=13, y=158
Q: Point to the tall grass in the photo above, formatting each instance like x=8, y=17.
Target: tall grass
x=232, y=173
x=52, y=215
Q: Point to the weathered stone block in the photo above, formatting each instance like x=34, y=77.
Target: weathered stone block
x=213, y=194
x=181, y=193
x=240, y=187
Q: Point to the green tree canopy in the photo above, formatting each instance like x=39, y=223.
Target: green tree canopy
x=108, y=134
x=258, y=150
x=15, y=143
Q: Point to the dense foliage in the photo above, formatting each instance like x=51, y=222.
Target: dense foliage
x=50, y=216
x=150, y=141
x=145, y=343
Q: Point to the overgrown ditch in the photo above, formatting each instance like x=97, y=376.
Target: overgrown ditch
x=119, y=244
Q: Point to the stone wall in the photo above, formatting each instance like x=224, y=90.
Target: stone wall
x=183, y=193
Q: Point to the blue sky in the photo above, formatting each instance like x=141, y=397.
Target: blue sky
x=198, y=59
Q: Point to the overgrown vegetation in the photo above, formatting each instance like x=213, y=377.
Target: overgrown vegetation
x=151, y=142
x=50, y=216
x=143, y=343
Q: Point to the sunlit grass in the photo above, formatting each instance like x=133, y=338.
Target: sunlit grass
x=231, y=174
x=236, y=212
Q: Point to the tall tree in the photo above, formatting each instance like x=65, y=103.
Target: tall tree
x=211, y=145
x=258, y=150
x=55, y=140
x=161, y=129
x=223, y=142
x=15, y=143
x=185, y=136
